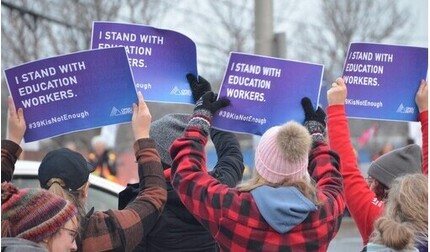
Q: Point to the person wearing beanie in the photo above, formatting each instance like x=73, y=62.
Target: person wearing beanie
x=177, y=229
x=38, y=216
x=65, y=173
x=398, y=162
x=366, y=201
x=295, y=200
x=404, y=224
x=13, y=221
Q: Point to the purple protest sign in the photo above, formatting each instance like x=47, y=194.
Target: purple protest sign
x=382, y=81
x=265, y=92
x=73, y=92
x=159, y=59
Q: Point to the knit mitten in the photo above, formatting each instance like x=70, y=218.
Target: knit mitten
x=205, y=108
x=198, y=87
x=314, y=120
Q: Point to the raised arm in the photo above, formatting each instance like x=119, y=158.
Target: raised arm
x=229, y=167
x=10, y=149
x=324, y=164
x=139, y=216
x=195, y=187
x=360, y=199
x=151, y=199
x=421, y=100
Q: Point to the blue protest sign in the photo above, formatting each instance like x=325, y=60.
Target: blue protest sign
x=159, y=59
x=382, y=81
x=73, y=92
x=265, y=92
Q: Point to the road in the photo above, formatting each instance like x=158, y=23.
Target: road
x=347, y=239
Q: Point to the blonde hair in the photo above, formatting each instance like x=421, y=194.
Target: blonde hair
x=405, y=220
x=58, y=187
x=304, y=185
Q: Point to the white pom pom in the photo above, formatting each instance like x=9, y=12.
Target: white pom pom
x=295, y=141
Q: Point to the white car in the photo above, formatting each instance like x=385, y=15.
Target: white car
x=102, y=195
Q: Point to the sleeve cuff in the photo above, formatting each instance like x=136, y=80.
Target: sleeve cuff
x=13, y=148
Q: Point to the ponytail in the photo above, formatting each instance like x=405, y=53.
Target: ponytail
x=392, y=234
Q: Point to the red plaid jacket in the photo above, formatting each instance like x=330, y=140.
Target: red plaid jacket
x=233, y=218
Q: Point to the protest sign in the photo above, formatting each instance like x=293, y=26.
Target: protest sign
x=159, y=59
x=73, y=92
x=382, y=81
x=265, y=92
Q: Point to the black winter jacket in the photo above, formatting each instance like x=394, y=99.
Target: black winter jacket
x=177, y=229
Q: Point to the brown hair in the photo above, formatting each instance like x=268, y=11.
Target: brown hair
x=381, y=191
x=304, y=185
x=405, y=220
x=58, y=187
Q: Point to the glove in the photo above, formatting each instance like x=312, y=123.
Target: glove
x=314, y=120
x=207, y=105
x=198, y=87
x=205, y=108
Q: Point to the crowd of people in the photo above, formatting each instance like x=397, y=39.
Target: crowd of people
x=306, y=175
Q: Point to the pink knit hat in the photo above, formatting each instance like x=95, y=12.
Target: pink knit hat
x=283, y=152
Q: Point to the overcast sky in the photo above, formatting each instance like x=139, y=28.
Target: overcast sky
x=419, y=10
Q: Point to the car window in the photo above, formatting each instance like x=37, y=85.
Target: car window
x=98, y=198
x=101, y=200
x=22, y=181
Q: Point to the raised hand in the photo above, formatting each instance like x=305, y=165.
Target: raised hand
x=141, y=119
x=314, y=120
x=207, y=105
x=422, y=97
x=336, y=95
x=198, y=87
x=15, y=123
x=311, y=114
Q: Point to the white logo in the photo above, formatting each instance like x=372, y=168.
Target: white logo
x=405, y=110
x=177, y=91
x=119, y=112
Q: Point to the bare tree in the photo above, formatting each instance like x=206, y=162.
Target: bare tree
x=146, y=12
x=36, y=29
x=219, y=27
x=327, y=41
x=342, y=22
x=33, y=30
x=225, y=26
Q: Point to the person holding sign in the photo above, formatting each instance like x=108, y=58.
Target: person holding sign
x=65, y=172
x=177, y=229
x=54, y=228
x=10, y=147
x=366, y=202
x=280, y=208
x=405, y=219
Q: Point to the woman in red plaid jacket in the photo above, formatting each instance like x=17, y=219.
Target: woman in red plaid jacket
x=295, y=201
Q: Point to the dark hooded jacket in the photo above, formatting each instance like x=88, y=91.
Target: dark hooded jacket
x=177, y=229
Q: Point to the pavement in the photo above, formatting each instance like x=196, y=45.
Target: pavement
x=348, y=238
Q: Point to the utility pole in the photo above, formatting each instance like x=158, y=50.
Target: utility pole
x=266, y=41
x=263, y=10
